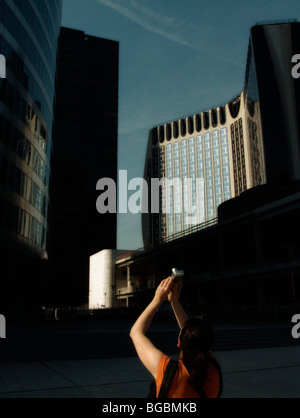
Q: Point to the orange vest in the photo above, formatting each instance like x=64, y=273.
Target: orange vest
x=180, y=387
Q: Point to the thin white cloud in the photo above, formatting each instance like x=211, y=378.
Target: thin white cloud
x=183, y=30
x=141, y=14
x=143, y=9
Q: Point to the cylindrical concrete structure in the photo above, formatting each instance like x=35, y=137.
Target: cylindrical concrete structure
x=102, y=279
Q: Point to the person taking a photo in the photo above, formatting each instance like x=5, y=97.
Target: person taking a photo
x=198, y=374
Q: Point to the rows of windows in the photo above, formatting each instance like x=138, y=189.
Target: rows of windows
x=238, y=157
x=16, y=29
x=12, y=177
x=24, y=112
x=200, y=179
x=16, y=65
x=217, y=168
x=199, y=171
x=29, y=32
x=185, y=188
x=191, y=209
x=177, y=188
x=209, y=177
x=169, y=175
x=22, y=223
x=18, y=143
x=159, y=220
x=256, y=153
x=49, y=14
x=153, y=168
x=225, y=165
x=54, y=7
x=39, y=31
x=189, y=125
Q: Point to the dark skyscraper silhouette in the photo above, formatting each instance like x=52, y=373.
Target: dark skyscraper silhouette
x=84, y=150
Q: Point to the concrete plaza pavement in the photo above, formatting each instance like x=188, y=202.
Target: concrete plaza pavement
x=271, y=372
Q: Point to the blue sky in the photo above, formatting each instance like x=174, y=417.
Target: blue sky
x=177, y=57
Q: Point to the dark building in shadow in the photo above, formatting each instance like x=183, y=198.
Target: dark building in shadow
x=245, y=266
x=84, y=150
x=28, y=41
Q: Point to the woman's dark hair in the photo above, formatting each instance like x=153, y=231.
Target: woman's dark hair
x=196, y=339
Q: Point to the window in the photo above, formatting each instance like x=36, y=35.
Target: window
x=168, y=132
x=190, y=125
x=161, y=134
x=175, y=130
x=198, y=123
x=234, y=107
x=182, y=127
x=206, y=120
x=214, y=118
x=222, y=115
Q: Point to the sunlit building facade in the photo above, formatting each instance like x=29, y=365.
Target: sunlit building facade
x=205, y=160
x=28, y=40
x=215, y=155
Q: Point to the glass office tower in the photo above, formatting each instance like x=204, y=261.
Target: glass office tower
x=204, y=161
x=210, y=157
x=28, y=40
